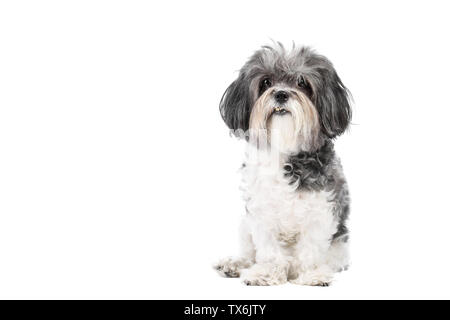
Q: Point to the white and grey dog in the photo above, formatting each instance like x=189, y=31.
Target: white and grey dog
x=289, y=105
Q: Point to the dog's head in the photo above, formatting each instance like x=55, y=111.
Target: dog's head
x=297, y=93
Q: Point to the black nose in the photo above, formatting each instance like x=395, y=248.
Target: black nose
x=281, y=96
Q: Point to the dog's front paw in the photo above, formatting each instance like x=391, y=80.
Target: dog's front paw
x=264, y=275
x=317, y=277
x=231, y=267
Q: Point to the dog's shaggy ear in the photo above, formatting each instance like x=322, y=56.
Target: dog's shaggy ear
x=235, y=105
x=332, y=102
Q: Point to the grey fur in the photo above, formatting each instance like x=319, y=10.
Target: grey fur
x=322, y=170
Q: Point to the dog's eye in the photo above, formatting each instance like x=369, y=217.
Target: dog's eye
x=302, y=82
x=265, y=83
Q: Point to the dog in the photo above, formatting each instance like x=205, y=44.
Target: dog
x=289, y=106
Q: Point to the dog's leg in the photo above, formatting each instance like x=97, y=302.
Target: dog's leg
x=318, y=267
x=231, y=267
x=338, y=257
x=312, y=265
x=271, y=266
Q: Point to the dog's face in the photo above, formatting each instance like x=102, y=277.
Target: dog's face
x=296, y=93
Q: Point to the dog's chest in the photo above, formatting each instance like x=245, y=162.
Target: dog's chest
x=270, y=199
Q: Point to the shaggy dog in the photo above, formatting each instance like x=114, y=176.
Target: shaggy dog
x=289, y=105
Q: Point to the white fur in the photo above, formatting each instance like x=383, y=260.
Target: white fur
x=286, y=234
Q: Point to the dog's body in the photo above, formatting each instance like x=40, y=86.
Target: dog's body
x=295, y=192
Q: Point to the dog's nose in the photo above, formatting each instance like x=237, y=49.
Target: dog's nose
x=281, y=96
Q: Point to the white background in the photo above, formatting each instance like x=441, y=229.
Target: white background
x=117, y=175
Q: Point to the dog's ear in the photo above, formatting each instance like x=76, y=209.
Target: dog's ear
x=333, y=105
x=235, y=105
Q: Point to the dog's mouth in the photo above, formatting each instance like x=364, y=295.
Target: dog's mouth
x=279, y=111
